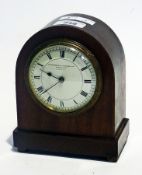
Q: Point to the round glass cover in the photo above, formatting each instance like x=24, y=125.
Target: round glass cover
x=62, y=76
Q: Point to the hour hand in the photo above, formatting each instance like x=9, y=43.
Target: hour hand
x=50, y=74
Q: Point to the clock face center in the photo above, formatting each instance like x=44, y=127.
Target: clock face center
x=62, y=77
x=69, y=77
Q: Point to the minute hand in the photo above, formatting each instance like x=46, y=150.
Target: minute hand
x=50, y=87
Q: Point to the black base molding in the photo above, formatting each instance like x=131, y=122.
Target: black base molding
x=102, y=148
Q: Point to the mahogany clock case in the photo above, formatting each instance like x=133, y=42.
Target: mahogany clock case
x=102, y=130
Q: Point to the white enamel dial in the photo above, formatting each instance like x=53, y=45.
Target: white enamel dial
x=62, y=78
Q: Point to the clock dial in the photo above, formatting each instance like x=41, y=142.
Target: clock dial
x=62, y=77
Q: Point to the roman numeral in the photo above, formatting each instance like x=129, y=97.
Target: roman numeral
x=75, y=57
x=49, y=56
x=75, y=102
x=87, y=81
x=61, y=104
x=49, y=99
x=84, y=68
x=83, y=93
x=62, y=53
x=40, y=89
x=39, y=64
x=37, y=77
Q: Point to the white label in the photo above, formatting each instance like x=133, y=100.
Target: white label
x=78, y=18
x=71, y=23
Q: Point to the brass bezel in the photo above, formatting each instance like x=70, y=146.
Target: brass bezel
x=88, y=54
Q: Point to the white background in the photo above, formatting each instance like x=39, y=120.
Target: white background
x=18, y=21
